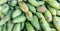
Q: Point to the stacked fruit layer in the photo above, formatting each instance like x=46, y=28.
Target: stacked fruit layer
x=29, y=15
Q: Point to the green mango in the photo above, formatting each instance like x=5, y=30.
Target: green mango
x=21, y=25
x=19, y=19
x=33, y=2
x=29, y=16
x=5, y=9
x=10, y=25
x=44, y=24
x=48, y=16
x=3, y=1
x=54, y=4
x=58, y=12
x=56, y=22
x=23, y=7
x=16, y=13
x=13, y=2
x=29, y=27
x=17, y=27
x=4, y=27
x=35, y=23
x=32, y=8
x=52, y=10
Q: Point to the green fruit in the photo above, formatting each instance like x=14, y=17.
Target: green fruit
x=29, y=16
x=52, y=10
x=29, y=27
x=14, y=2
x=32, y=8
x=16, y=13
x=35, y=23
x=23, y=6
x=39, y=15
x=4, y=27
x=9, y=25
x=19, y=19
x=3, y=1
x=44, y=24
x=33, y=2
x=54, y=4
x=21, y=25
x=17, y=27
x=41, y=3
x=41, y=9
x=5, y=9
x=58, y=12
x=3, y=21
x=48, y=16
x=56, y=22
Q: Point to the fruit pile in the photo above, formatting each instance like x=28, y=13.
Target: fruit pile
x=29, y=15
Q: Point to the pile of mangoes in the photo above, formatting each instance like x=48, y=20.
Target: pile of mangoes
x=29, y=15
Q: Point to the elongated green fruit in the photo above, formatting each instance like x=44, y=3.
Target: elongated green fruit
x=23, y=6
x=35, y=23
x=29, y=27
x=16, y=13
x=21, y=25
x=5, y=9
x=39, y=15
x=1, y=8
x=19, y=19
x=40, y=3
x=14, y=2
x=58, y=12
x=9, y=25
x=54, y=4
x=4, y=27
x=3, y=21
x=1, y=15
x=29, y=16
x=2, y=1
x=52, y=10
x=48, y=16
x=32, y=8
x=8, y=16
x=44, y=23
x=41, y=9
x=33, y=2
x=1, y=28
x=17, y=27
x=56, y=22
